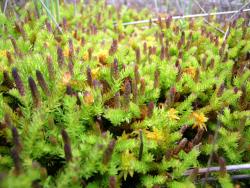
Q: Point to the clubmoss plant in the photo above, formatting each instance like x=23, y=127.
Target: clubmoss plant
x=101, y=104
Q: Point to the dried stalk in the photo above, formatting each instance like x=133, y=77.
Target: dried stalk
x=244, y=6
x=205, y=20
x=226, y=34
x=217, y=169
x=185, y=17
x=232, y=19
x=52, y=17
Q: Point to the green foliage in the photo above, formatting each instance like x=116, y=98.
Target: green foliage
x=225, y=182
x=118, y=116
x=104, y=105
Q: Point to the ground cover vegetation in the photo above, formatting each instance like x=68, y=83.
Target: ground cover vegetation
x=89, y=102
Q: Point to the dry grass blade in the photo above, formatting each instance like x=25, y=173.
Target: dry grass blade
x=244, y=6
x=185, y=17
x=217, y=169
x=206, y=21
x=51, y=16
x=226, y=33
x=232, y=19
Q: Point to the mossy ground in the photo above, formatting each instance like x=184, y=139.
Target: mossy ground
x=107, y=105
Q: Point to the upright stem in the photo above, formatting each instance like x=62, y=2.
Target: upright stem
x=185, y=17
x=57, y=10
x=206, y=21
x=238, y=11
x=229, y=168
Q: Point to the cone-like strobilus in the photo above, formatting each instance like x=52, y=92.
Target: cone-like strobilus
x=18, y=81
x=108, y=152
x=50, y=68
x=67, y=145
x=7, y=81
x=150, y=109
x=127, y=93
x=42, y=82
x=60, y=57
x=89, y=77
x=34, y=92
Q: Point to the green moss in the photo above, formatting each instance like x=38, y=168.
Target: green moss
x=106, y=123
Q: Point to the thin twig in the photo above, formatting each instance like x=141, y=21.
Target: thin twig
x=198, y=4
x=231, y=18
x=226, y=34
x=52, y=17
x=185, y=17
x=205, y=20
x=217, y=169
